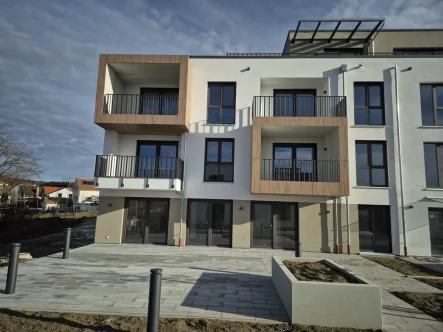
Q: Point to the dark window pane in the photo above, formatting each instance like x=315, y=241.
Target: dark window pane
x=363, y=220
x=214, y=95
x=361, y=154
x=363, y=177
x=211, y=172
x=228, y=116
x=360, y=116
x=378, y=177
x=284, y=104
x=148, y=150
x=213, y=115
x=226, y=173
x=439, y=119
x=360, y=96
x=375, y=117
x=439, y=95
x=427, y=107
x=212, y=151
x=366, y=242
x=431, y=165
x=283, y=153
x=374, y=96
x=377, y=154
x=229, y=95
x=226, y=152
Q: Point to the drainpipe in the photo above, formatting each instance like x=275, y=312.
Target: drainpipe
x=347, y=225
x=180, y=239
x=397, y=102
x=337, y=251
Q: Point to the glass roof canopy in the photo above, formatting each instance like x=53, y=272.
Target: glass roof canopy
x=348, y=30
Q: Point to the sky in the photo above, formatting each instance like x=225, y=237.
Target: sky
x=49, y=54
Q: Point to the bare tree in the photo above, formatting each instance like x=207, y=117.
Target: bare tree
x=16, y=161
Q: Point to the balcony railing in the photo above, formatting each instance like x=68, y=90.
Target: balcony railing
x=140, y=104
x=299, y=106
x=300, y=170
x=338, y=54
x=138, y=167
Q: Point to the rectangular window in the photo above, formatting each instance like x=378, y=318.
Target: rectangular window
x=369, y=106
x=434, y=165
x=219, y=160
x=221, y=103
x=371, y=163
x=431, y=98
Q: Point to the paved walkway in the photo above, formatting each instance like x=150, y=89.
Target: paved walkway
x=197, y=282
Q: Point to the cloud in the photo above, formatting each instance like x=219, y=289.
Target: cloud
x=49, y=54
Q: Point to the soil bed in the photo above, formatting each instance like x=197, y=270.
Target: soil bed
x=15, y=321
x=429, y=303
x=411, y=269
x=316, y=271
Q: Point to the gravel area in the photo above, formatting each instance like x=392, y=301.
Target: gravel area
x=316, y=271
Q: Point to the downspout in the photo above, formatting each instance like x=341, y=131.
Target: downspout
x=180, y=239
x=337, y=251
x=400, y=163
x=347, y=225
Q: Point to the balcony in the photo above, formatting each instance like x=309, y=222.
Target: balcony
x=143, y=94
x=299, y=106
x=141, y=104
x=299, y=177
x=138, y=172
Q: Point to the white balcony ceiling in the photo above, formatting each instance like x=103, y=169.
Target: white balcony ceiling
x=296, y=131
x=141, y=72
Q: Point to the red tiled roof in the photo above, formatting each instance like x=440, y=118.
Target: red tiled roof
x=49, y=190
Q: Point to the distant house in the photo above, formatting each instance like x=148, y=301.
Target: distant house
x=56, y=192
x=84, y=191
x=24, y=193
x=49, y=203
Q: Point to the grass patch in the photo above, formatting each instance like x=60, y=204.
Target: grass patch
x=410, y=269
x=15, y=321
x=429, y=303
x=69, y=215
x=316, y=271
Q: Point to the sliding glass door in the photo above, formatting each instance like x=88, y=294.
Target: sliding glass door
x=294, y=162
x=290, y=102
x=209, y=222
x=274, y=225
x=157, y=159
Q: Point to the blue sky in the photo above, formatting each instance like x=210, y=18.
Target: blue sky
x=49, y=54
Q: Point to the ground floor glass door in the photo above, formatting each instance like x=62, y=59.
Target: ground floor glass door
x=436, y=231
x=274, y=225
x=374, y=228
x=146, y=221
x=209, y=222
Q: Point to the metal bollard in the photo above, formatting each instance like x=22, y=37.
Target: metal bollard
x=154, y=300
x=67, y=243
x=11, y=280
x=297, y=249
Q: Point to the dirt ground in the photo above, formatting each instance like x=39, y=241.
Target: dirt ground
x=411, y=269
x=20, y=321
x=430, y=303
x=316, y=271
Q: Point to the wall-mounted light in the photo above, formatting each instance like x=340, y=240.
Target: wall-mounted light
x=241, y=208
x=246, y=69
x=409, y=207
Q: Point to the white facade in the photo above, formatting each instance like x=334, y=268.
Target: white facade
x=64, y=192
x=324, y=75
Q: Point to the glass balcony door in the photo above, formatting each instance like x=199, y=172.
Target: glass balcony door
x=157, y=159
x=159, y=101
x=294, y=162
x=294, y=102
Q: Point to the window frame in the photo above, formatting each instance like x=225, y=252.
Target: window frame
x=219, y=162
x=222, y=86
x=435, y=106
x=370, y=166
x=367, y=106
x=437, y=147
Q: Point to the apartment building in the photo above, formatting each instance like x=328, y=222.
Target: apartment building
x=337, y=143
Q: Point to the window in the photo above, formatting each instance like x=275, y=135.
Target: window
x=70, y=196
x=371, y=164
x=431, y=97
x=369, y=104
x=219, y=160
x=436, y=231
x=221, y=103
x=434, y=165
x=59, y=195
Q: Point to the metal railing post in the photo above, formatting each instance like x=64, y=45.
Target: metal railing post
x=67, y=243
x=13, y=262
x=154, y=300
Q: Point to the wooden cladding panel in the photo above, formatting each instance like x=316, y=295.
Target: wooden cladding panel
x=104, y=120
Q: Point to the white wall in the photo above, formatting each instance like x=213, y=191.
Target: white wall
x=83, y=194
x=64, y=192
